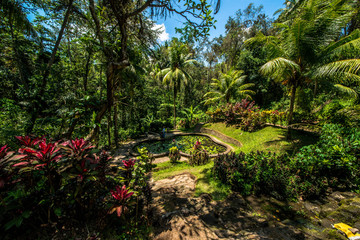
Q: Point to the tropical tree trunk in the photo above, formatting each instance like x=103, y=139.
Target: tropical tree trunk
x=86, y=73
x=109, y=126
x=315, y=88
x=100, y=82
x=57, y=43
x=292, y=104
x=111, y=66
x=115, y=120
x=291, y=110
x=174, y=107
x=106, y=106
x=71, y=129
x=35, y=113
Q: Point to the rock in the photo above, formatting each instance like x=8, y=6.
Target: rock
x=313, y=208
x=327, y=223
x=333, y=234
x=328, y=208
x=185, y=210
x=337, y=196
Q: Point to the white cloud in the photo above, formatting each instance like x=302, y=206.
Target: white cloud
x=163, y=35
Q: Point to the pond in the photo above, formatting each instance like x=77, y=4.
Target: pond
x=184, y=143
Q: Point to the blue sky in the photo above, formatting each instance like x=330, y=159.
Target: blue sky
x=228, y=8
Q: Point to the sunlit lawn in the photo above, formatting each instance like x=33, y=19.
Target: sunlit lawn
x=267, y=139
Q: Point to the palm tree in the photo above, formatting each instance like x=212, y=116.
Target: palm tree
x=229, y=86
x=176, y=75
x=305, y=50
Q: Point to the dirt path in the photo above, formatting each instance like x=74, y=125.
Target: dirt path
x=179, y=215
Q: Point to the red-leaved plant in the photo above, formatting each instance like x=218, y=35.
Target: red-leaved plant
x=79, y=158
x=129, y=164
x=47, y=154
x=102, y=163
x=78, y=148
x=28, y=141
x=120, y=194
x=5, y=157
x=42, y=158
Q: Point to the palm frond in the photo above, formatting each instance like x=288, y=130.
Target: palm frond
x=167, y=78
x=347, y=90
x=334, y=68
x=246, y=86
x=279, y=66
x=346, y=44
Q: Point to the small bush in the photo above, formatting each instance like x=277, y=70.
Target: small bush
x=257, y=172
x=198, y=155
x=174, y=154
x=246, y=116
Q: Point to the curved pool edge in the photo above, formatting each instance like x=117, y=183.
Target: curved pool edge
x=228, y=147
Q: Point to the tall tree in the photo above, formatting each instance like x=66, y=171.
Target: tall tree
x=176, y=74
x=128, y=18
x=304, y=50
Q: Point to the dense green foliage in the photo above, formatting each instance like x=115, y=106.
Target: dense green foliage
x=96, y=70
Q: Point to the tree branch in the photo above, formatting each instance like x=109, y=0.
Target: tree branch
x=141, y=9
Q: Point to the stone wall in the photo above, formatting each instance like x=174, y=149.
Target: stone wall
x=221, y=136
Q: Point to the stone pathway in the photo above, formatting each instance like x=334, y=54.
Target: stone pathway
x=179, y=215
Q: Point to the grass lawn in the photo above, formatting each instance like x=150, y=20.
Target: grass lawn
x=205, y=182
x=267, y=139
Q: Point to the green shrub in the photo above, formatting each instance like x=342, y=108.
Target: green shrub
x=332, y=162
x=174, y=154
x=199, y=157
x=256, y=172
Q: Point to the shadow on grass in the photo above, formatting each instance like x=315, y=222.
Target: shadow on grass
x=298, y=140
x=208, y=184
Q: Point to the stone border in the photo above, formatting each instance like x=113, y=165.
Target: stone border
x=135, y=154
x=221, y=136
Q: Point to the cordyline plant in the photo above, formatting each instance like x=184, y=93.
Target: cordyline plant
x=129, y=164
x=128, y=167
x=27, y=141
x=102, y=164
x=120, y=194
x=79, y=157
x=78, y=148
x=5, y=174
x=44, y=158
